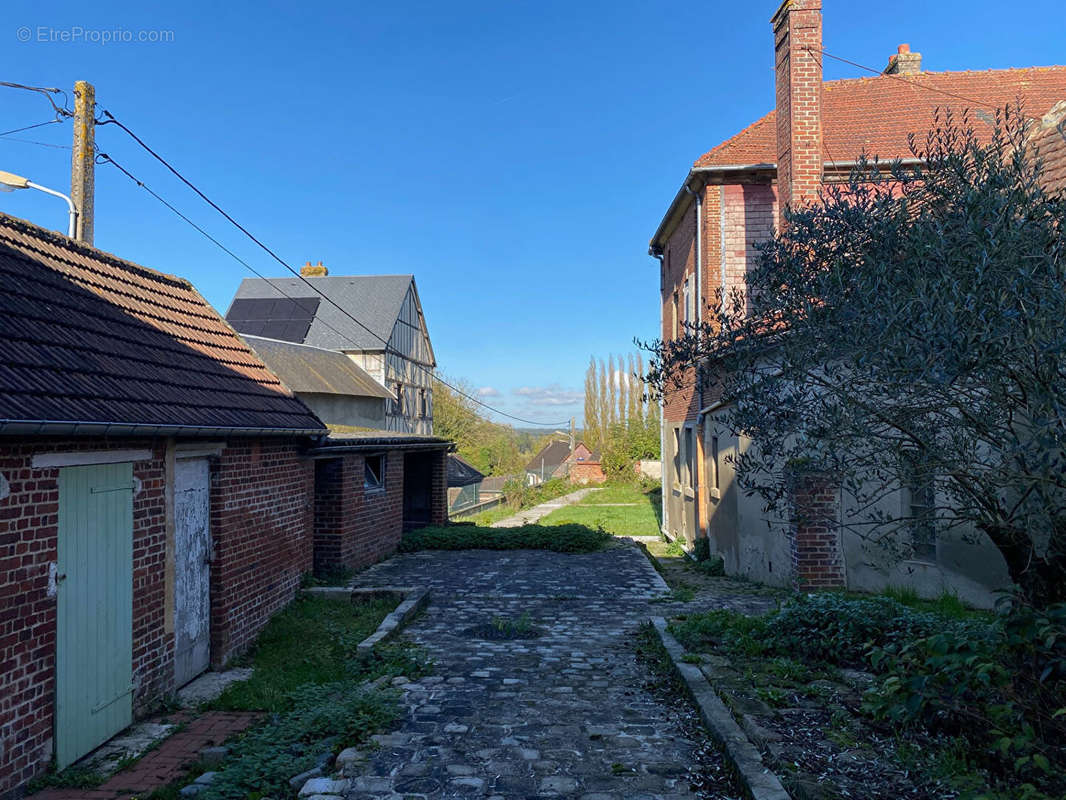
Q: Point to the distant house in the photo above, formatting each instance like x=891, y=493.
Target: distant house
x=331, y=384
x=464, y=484
x=155, y=498
x=549, y=463
x=381, y=328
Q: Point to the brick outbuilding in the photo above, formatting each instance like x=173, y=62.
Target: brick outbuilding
x=156, y=498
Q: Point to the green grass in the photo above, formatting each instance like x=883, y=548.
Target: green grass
x=312, y=642
x=596, y=511
x=946, y=605
x=559, y=538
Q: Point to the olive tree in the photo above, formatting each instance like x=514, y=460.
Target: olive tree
x=911, y=329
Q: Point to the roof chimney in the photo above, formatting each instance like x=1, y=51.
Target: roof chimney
x=904, y=62
x=310, y=270
x=798, y=78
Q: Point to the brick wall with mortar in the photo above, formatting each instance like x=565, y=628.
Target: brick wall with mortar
x=587, y=472
x=797, y=27
x=262, y=515
x=355, y=527
x=439, y=489
x=814, y=533
x=28, y=545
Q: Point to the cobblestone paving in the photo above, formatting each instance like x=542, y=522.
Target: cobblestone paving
x=560, y=715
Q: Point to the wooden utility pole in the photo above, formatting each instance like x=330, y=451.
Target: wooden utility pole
x=83, y=160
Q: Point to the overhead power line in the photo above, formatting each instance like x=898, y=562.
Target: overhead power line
x=916, y=84
x=46, y=92
x=388, y=349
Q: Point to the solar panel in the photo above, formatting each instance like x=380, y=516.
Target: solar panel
x=287, y=319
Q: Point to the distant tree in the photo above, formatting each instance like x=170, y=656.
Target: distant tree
x=593, y=433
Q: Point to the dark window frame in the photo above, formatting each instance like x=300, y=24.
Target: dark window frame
x=374, y=472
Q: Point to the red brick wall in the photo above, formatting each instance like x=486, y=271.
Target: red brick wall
x=814, y=533
x=587, y=472
x=28, y=545
x=750, y=214
x=354, y=527
x=798, y=86
x=439, y=496
x=262, y=507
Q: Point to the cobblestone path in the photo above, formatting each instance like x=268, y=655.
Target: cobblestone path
x=561, y=715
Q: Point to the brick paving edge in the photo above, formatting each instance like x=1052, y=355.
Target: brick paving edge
x=742, y=754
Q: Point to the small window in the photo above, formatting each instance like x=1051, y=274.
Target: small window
x=690, y=453
x=423, y=404
x=674, y=322
x=919, y=508
x=374, y=472
x=677, y=455
x=714, y=463
x=689, y=305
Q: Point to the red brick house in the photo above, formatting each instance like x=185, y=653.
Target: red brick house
x=156, y=499
x=731, y=198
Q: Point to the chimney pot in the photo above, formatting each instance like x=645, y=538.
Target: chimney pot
x=310, y=270
x=904, y=62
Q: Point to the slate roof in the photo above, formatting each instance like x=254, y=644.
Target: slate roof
x=462, y=473
x=552, y=456
x=876, y=114
x=316, y=371
x=92, y=343
x=374, y=300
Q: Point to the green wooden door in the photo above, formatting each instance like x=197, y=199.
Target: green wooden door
x=94, y=636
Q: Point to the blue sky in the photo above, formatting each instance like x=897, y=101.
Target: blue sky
x=514, y=156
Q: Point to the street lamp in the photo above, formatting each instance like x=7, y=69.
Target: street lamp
x=9, y=182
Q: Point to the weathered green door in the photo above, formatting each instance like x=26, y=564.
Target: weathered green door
x=94, y=636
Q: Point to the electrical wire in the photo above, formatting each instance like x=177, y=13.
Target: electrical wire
x=46, y=92
x=978, y=103
x=30, y=127
x=105, y=158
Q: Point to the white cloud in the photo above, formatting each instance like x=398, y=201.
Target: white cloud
x=488, y=391
x=553, y=395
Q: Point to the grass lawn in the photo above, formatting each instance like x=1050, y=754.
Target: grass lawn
x=619, y=509
x=311, y=642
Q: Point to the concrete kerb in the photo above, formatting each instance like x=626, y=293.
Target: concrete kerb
x=745, y=757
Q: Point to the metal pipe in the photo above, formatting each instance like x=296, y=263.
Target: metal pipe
x=73, y=212
x=663, y=505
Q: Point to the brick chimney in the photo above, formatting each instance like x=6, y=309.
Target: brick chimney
x=798, y=78
x=904, y=62
x=310, y=270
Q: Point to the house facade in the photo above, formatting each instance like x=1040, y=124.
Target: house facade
x=155, y=495
x=732, y=198
x=375, y=320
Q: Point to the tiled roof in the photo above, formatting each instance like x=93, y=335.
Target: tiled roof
x=88, y=339
x=550, y=457
x=1049, y=142
x=874, y=115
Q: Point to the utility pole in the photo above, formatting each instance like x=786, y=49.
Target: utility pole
x=83, y=160
x=572, y=443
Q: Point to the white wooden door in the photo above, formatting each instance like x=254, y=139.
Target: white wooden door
x=192, y=569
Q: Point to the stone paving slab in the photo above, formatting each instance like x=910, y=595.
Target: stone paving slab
x=531, y=515
x=564, y=714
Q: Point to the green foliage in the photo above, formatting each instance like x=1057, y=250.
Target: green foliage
x=520, y=494
x=559, y=538
x=1006, y=692
x=621, y=509
x=320, y=719
x=310, y=642
x=827, y=628
x=490, y=447
x=907, y=330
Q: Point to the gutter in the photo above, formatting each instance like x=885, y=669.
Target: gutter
x=22, y=427
x=377, y=445
x=663, y=505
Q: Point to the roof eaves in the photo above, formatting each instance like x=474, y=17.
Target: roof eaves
x=683, y=198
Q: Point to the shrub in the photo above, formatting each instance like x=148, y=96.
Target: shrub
x=1005, y=690
x=323, y=719
x=559, y=538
